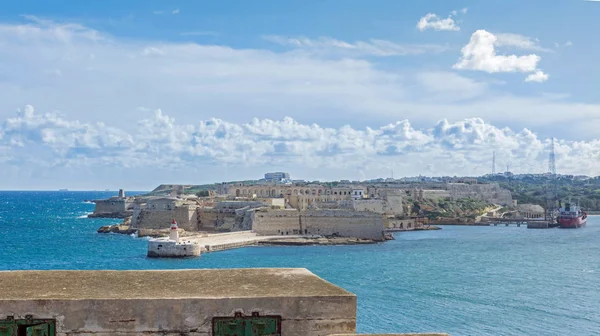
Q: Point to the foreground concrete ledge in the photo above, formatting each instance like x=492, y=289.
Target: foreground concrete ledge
x=166, y=284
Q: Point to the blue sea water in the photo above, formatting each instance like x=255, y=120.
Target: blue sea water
x=459, y=280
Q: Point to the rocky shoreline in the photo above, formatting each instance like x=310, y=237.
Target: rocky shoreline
x=424, y=228
x=308, y=241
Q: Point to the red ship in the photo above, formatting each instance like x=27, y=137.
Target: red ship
x=571, y=217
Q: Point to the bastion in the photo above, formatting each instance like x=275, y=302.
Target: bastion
x=290, y=302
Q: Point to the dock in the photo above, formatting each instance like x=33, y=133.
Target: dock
x=231, y=240
x=531, y=223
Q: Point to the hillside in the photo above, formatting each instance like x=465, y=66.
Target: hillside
x=447, y=208
x=530, y=189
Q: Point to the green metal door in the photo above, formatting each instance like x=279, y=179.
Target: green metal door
x=8, y=328
x=263, y=326
x=38, y=330
x=226, y=327
x=27, y=327
x=247, y=325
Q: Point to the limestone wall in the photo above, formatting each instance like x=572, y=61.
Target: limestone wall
x=376, y=205
x=280, y=222
x=365, y=225
x=113, y=205
x=185, y=216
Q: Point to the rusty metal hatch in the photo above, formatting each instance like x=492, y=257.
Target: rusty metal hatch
x=27, y=327
x=240, y=325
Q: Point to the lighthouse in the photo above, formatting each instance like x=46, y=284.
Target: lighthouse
x=174, y=234
x=172, y=247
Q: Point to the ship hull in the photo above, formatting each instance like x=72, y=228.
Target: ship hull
x=572, y=223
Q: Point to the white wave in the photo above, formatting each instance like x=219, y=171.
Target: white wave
x=86, y=215
x=88, y=202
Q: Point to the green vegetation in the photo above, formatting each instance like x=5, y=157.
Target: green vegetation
x=202, y=193
x=533, y=189
x=447, y=208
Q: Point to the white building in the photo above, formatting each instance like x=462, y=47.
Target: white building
x=277, y=176
x=358, y=194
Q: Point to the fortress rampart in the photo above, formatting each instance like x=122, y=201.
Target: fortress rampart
x=357, y=224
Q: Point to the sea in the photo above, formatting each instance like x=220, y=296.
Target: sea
x=459, y=280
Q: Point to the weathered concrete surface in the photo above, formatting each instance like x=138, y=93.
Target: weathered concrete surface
x=176, y=302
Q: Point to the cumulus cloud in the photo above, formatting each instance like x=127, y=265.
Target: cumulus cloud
x=480, y=54
x=162, y=142
x=106, y=78
x=434, y=22
x=518, y=41
x=538, y=76
x=373, y=47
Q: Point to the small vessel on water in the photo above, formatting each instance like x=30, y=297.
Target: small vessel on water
x=571, y=217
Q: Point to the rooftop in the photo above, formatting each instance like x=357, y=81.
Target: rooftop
x=165, y=284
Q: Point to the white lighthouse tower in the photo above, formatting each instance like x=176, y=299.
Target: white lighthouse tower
x=174, y=234
x=172, y=246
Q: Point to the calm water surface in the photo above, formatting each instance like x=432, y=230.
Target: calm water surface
x=459, y=280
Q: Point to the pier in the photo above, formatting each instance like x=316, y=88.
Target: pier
x=531, y=223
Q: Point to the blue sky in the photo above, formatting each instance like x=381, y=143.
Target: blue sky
x=126, y=88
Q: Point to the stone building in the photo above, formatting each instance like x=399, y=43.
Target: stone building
x=530, y=211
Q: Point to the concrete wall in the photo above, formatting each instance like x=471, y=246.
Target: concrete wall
x=366, y=225
x=174, y=303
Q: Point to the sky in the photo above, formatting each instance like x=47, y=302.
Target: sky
x=132, y=94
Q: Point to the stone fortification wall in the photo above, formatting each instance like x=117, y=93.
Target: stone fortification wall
x=233, y=205
x=365, y=225
x=436, y=194
x=375, y=205
x=113, y=207
x=186, y=217
x=210, y=219
x=271, y=223
x=490, y=192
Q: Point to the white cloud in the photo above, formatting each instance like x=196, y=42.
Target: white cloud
x=432, y=21
x=107, y=78
x=51, y=141
x=480, y=54
x=538, y=76
x=373, y=47
x=161, y=12
x=518, y=41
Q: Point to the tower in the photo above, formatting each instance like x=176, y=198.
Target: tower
x=174, y=234
x=494, y=164
x=552, y=189
x=552, y=160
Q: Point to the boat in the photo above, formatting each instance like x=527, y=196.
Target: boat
x=63, y=190
x=571, y=217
